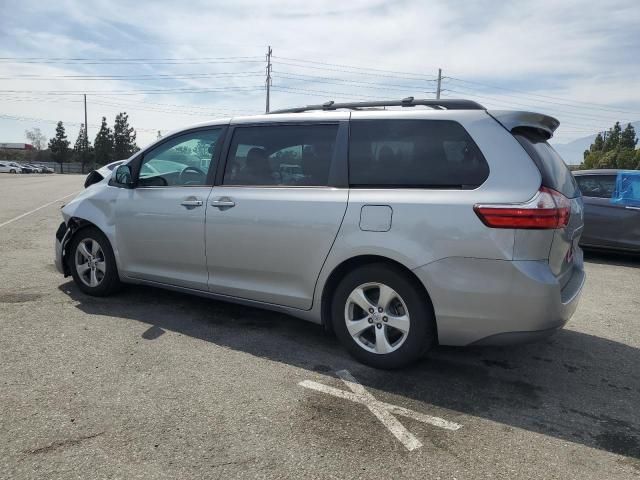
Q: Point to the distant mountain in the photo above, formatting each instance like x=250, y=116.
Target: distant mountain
x=572, y=152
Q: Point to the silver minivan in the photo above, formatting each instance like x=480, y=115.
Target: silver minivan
x=397, y=225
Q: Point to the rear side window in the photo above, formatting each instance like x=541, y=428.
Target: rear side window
x=555, y=173
x=286, y=155
x=599, y=186
x=414, y=153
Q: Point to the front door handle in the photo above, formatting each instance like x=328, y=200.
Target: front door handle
x=191, y=202
x=223, y=202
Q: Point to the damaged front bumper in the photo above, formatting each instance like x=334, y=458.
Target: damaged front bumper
x=62, y=235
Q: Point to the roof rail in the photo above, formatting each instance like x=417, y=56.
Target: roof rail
x=447, y=104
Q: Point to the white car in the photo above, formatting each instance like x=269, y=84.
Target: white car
x=8, y=167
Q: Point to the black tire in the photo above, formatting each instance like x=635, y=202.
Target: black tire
x=110, y=282
x=422, y=334
x=13, y=171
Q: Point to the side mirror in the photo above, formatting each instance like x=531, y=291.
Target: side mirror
x=123, y=177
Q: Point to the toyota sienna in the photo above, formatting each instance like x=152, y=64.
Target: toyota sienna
x=398, y=225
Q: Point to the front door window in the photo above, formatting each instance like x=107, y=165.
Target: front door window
x=181, y=161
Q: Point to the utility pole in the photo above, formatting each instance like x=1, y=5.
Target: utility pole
x=85, y=147
x=268, y=81
x=439, y=83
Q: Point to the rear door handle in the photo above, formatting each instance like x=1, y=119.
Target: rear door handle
x=191, y=203
x=224, y=202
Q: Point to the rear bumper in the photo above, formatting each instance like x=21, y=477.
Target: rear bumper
x=498, y=302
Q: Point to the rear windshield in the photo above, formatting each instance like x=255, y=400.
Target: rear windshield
x=414, y=153
x=555, y=173
x=598, y=186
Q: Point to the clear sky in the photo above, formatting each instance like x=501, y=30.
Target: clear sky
x=170, y=64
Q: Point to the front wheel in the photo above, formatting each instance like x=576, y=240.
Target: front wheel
x=92, y=263
x=382, y=317
x=13, y=171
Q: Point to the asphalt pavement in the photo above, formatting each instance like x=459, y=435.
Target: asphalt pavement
x=156, y=384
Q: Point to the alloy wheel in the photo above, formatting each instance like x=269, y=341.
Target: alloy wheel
x=90, y=262
x=377, y=318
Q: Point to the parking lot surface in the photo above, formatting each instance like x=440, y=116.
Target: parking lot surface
x=155, y=384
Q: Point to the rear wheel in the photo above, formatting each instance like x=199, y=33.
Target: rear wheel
x=382, y=317
x=92, y=263
x=12, y=171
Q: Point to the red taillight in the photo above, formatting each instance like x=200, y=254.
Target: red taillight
x=548, y=209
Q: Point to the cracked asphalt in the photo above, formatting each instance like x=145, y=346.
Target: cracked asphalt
x=156, y=384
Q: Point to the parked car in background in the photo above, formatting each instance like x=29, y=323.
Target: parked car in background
x=611, y=216
x=34, y=168
x=19, y=168
x=397, y=229
x=27, y=169
x=7, y=168
x=44, y=169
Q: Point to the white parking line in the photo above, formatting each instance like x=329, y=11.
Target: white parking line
x=35, y=210
x=383, y=411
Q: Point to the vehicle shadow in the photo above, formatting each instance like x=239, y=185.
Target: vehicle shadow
x=572, y=386
x=612, y=258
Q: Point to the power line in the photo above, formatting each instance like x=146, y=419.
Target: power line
x=350, y=66
x=129, y=61
x=189, y=107
x=368, y=74
x=134, y=108
x=338, y=81
x=61, y=99
x=502, y=104
x=115, y=59
x=572, y=104
x=136, y=92
x=133, y=77
x=45, y=120
x=324, y=92
x=173, y=111
x=511, y=103
x=587, y=105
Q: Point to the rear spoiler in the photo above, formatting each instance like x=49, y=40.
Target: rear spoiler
x=512, y=120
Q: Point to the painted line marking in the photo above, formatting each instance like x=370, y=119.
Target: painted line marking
x=36, y=209
x=383, y=411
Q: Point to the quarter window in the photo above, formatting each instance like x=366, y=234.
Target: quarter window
x=289, y=155
x=414, y=153
x=181, y=161
x=599, y=186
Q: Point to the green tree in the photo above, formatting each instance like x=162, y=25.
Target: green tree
x=124, y=137
x=608, y=159
x=103, y=144
x=613, y=138
x=616, y=149
x=628, y=137
x=626, y=159
x=592, y=159
x=82, y=150
x=598, y=143
x=59, y=146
